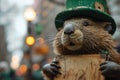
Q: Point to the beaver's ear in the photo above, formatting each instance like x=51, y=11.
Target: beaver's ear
x=107, y=26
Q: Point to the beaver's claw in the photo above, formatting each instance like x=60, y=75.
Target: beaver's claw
x=51, y=70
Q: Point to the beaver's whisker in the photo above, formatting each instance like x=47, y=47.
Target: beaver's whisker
x=50, y=41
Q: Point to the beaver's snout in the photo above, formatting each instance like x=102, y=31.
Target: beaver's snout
x=71, y=37
x=69, y=28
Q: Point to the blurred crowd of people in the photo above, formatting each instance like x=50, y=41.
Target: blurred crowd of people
x=6, y=73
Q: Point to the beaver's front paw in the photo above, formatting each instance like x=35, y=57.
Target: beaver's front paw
x=51, y=70
x=110, y=69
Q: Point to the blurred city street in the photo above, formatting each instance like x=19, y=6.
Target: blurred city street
x=27, y=31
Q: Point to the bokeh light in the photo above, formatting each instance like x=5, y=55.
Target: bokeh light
x=23, y=68
x=36, y=67
x=30, y=40
x=30, y=14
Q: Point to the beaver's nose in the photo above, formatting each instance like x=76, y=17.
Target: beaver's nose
x=69, y=28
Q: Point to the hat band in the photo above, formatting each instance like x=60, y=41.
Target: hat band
x=77, y=8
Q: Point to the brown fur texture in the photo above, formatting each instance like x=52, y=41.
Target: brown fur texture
x=82, y=67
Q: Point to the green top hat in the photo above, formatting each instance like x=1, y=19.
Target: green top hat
x=95, y=9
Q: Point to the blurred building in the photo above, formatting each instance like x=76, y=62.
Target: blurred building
x=3, y=50
x=12, y=18
x=47, y=10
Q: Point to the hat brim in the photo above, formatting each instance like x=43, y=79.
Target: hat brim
x=84, y=12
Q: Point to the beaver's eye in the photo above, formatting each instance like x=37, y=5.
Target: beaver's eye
x=108, y=27
x=85, y=23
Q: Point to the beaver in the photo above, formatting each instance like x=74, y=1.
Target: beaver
x=78, y=46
